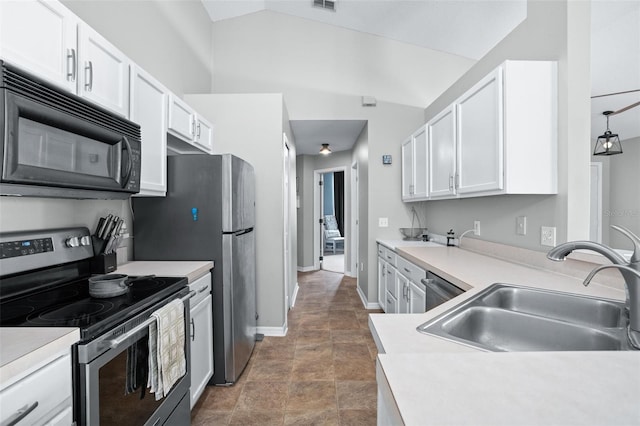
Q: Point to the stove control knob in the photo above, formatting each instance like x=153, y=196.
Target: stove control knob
x=85, y=241
x=73, y=242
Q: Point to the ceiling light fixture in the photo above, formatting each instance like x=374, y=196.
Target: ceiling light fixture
x=608, y=143
x=325, y=150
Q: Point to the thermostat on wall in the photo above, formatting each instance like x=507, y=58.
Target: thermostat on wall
x=386, y=159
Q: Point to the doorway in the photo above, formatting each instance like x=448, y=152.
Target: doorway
x=331, y=247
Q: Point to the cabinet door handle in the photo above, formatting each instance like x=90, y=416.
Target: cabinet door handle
x=404, y=291
x=203, y=289
x=71, y=67
x=20, y=414
x=88, y=82
x=457, y=181
x=193, y=330
x=407, y=269
x=450, y=182
x=198, y=132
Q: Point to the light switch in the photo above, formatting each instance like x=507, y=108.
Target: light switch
x=383, y=222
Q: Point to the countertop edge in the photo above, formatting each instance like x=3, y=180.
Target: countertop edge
x=46, y=344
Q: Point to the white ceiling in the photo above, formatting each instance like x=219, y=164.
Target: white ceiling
x=470, y=29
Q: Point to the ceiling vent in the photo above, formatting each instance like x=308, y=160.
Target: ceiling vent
x=325, y=4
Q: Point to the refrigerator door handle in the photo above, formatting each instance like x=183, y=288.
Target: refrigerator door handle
x=241, y=232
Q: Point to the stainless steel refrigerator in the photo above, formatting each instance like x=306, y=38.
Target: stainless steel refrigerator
x=209, y=214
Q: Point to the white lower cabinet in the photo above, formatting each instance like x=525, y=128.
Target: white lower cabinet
x=400, y=287
x=42, y=397
x=201, y=334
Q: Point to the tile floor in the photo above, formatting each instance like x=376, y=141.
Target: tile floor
x=321, y=373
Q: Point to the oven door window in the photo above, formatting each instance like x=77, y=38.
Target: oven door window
x=45, y=146
x=123, y=397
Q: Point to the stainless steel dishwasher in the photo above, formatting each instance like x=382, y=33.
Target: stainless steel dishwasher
x=439, y=290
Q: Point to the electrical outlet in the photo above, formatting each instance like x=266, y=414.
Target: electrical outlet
x=521, y=225
x=362, y=267
x=383, y=222
x=476, y=227
x=548, y=236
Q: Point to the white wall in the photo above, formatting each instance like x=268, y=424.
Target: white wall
x=623, y=206
x=553, y=30
x=251, y=126
x=270, y=51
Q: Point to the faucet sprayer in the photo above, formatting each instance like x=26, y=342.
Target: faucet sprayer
x=630, y=272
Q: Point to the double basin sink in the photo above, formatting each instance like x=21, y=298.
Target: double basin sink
x=511, y=318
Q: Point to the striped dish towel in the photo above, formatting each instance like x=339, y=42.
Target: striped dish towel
x=167, y=362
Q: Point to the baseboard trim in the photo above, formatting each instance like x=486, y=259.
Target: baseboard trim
x=273, y=331
x=294, y=297
x=307, y=268
x=365, y=303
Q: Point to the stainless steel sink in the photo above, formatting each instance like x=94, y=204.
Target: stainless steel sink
x=513, y=318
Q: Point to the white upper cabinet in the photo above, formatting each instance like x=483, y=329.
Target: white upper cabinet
x=500, y=137
x=193, y=134
x=480, y=137
x=181, y=118
x=103, y=71
x=415, y=166
x=40, y=36
x=48, y=40
x=148, y=106
x=442, y=154
x=204, y=134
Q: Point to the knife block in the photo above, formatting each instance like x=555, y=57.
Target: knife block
x=104, y=263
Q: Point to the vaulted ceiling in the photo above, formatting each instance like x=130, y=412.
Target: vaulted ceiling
x=470, y=29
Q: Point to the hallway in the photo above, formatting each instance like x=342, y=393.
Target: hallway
x=321, y=373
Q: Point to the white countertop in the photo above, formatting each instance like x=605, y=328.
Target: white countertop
x=533, y=388
x=395, y=244
x=430, y=377
x=191, y=270
x=25, y=349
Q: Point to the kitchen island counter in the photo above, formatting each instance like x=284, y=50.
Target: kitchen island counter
x=425, y=379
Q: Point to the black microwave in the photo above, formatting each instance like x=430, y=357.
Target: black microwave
x=56, y=144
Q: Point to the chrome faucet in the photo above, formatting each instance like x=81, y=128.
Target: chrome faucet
x=630, y=272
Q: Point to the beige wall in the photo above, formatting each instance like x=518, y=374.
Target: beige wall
x=553, y=30
x=251, y=126
x=275, y=52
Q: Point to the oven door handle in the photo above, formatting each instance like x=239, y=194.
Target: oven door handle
x=113, y=344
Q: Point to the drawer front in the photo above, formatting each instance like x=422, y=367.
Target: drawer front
x=390, y=257
x=382, y=251
x=409, y=270
x=202, y=287
x=40, y=392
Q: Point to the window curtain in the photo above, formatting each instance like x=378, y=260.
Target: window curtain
x=338, y=199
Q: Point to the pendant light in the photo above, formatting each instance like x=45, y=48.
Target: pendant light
x=325, y=150
x=608, y=143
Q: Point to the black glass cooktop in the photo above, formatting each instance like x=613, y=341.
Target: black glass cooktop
x=70, y=305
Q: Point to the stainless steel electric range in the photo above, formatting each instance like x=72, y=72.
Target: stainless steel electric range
x=44, y=283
